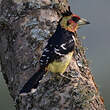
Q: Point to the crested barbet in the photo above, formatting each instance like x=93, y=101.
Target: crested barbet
x=58, y=52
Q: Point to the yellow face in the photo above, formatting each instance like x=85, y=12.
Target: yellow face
x=68, y=24
x=72, y=22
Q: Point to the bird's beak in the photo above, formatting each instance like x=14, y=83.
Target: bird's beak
x=83, y=21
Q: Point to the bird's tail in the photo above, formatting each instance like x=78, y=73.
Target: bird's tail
x=33, y=82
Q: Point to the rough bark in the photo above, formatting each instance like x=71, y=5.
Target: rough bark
x=25, y=27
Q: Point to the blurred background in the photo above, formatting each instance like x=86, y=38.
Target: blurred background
x=97, y=41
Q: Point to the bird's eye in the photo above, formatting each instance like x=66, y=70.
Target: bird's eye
x=75, y=19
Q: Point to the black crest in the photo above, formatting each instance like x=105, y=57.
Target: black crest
x=67, y=12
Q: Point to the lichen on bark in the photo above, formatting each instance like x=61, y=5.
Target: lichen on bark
x=25, y=27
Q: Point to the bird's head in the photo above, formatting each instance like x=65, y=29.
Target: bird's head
x=72, y=22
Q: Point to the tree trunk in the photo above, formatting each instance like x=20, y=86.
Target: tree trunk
x=25, y=26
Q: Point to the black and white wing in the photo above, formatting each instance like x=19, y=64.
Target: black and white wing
x=60, y=44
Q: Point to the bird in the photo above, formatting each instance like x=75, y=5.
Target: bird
x=58, y=52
